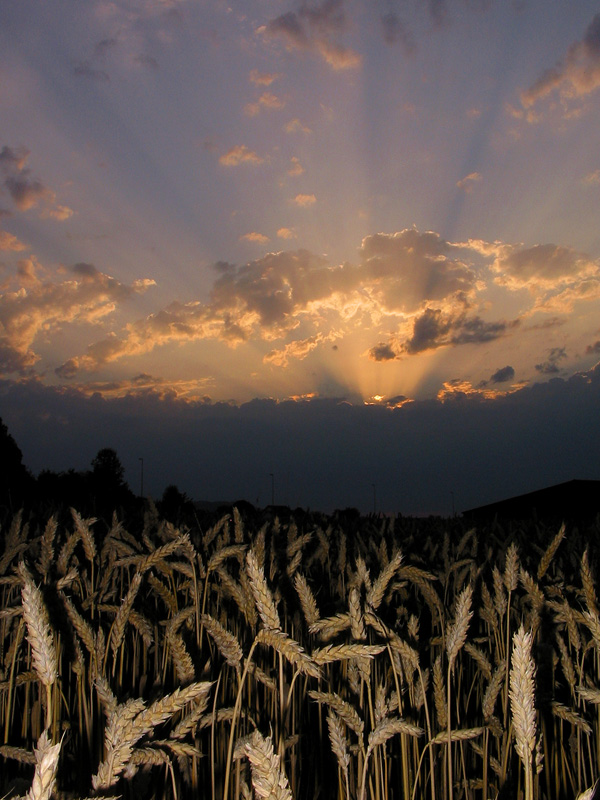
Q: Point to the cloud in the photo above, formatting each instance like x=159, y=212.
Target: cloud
x=262, y=78
x=296, y=168
x=298, y=349
x=146, y=61
x=286, y=233
x=315, y=29
x=410, y=447
x=10, y=242
x=576, y=75
x=84, y=69
x=592, y=178
x=593, y=348
x=398, y=274
x=258, y=238
x=543, y=267
x=429, y=291
x=240, y=154
x=434, y=328
x=267, y=101
x=409, y=268
x=295, y=126
x=44, y=306
x=550, y=366
x=26, y=191
x=503, y=375
x=305, y=200
x=395, y=31
x=467, y=182
x=382, y=352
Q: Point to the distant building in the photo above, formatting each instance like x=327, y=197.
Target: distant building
x=572, y=500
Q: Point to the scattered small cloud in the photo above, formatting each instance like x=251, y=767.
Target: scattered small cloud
x=550, y=366
x=253, y=236
x=84, y=69
x=240, y=154
x=146, y=62
x=382, y=351
x=267, y=101
x=286, y=233
x=296, y=167
x=305, y=200
x=592, y=178
x=503, y=375
x=262, y=78
x=467, y=183
x=295, y=126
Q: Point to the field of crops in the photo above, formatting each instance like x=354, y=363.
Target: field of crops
x=303, y=657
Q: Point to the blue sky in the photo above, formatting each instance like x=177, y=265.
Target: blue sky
x=388, y=204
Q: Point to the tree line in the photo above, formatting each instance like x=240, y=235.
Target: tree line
x=97, y=491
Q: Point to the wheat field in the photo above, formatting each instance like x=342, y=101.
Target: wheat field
x=308, y=657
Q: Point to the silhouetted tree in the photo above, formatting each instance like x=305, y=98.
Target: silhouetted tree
x=17, y=480
x=175, y=505
x=107, y=483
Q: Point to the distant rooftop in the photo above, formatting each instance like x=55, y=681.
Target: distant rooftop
x=576, y=499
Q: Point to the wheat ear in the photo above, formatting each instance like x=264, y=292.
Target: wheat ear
x=262, y=594
x=522, y=703
x=46, y=762
x=268, y=778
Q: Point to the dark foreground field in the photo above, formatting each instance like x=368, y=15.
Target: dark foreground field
x=298, y=656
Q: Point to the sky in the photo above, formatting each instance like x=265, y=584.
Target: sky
x=342, y=252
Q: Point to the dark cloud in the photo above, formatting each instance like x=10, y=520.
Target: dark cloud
x=474, y=330
x=429, y=331
x=290, y=26
x=382, y=352
x=26, y=191
x=324, y=453
x=105, y=46
x=574, y=76
x=396, y=32
x=434, y=328
x=85, y=69
x=550, y=366
x=502, y=375
x=146, y=61
x=593, y=348
x=438, y=10
x=86, y=270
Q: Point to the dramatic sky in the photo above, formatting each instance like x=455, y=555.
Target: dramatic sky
x=352, y=244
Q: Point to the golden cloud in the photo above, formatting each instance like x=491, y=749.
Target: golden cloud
x=240, y=154
x=305, y=200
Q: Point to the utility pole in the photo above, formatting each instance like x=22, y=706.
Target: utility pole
x=141, y=460
x=374, y=498
x=272, y=488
